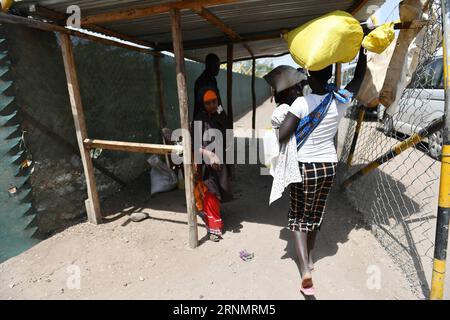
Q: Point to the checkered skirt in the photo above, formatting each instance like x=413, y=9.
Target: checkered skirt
x=308, y=198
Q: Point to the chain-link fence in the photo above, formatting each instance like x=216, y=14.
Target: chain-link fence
x=397, y=189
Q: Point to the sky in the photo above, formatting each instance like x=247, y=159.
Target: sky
x=388, y=12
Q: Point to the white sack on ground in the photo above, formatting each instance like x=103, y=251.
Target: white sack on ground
x=161, y=177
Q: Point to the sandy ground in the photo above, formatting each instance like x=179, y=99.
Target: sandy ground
x=401, y=198
x=151, y=259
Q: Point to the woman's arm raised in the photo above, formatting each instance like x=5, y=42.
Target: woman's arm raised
x=288, y=127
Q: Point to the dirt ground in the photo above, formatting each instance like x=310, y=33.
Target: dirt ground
x=121, y=259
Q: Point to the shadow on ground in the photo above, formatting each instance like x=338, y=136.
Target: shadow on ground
x=251, y=192
x=393, y=215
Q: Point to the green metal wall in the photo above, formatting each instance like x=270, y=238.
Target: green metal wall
x=16, y=211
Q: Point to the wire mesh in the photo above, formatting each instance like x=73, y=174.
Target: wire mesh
x=399, y=198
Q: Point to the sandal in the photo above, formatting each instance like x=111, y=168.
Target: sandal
x=309, y=290
x=214, y=237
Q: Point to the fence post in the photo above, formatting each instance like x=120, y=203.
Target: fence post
x=361, y=115
x=442, y=223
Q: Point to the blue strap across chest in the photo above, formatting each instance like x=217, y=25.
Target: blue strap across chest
x=307, y=124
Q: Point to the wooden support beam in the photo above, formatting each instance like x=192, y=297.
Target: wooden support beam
x=92, y=203
x=61, y=19
x=47, y=14
x=338, y=74
x=230, y=83
x=351, y=153
x=254, y=94
x=129, y=14
x=266, y=35
x=357, y=6
x=338, y=82
x=221, y=41
x=184, y=117
x=160, y=91
x=131, y=146
x=214, y=20
x=45, y=26
x=162, y=121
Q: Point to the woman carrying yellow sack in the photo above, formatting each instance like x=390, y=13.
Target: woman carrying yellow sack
x=212, y=185
x=314, y=120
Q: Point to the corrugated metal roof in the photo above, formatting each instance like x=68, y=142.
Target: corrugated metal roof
x=245, y=17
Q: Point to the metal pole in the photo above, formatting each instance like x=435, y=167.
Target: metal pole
x=442, y=223
x=433, y=127
x=361, y=116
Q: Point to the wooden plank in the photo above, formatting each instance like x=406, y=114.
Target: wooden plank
x=222, y=41
x=45, y=26
x=131, y=146
x=129, y=14
x=354, y=9
x=92, y=203
x=253, y=94
x=61, y=19
x=230, y=82
x=260, y=36
x=184, y=117
x=214, y=20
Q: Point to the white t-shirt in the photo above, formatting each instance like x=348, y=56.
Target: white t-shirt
x=319, y=147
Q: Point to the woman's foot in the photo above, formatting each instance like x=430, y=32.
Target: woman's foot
x=307, y=286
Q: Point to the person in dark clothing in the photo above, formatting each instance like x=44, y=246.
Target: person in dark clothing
x=207, y=80
x=213, y=177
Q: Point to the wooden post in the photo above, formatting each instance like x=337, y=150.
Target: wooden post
x=92, y=203
x=254, y=94
x=184, y=117
x=338, y=75
x=162, y=121
x=160, y=90
x=338, y=82
x=230, y=82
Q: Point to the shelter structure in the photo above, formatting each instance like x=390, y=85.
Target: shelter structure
x=234, y=30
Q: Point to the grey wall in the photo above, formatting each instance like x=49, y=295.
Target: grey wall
x=118, y=93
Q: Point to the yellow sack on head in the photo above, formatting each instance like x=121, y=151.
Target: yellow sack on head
x=6, y=4
x=379, y=39
x=334, y=37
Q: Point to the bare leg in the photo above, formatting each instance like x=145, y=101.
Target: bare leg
x=301, y=246
x=311, y=242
